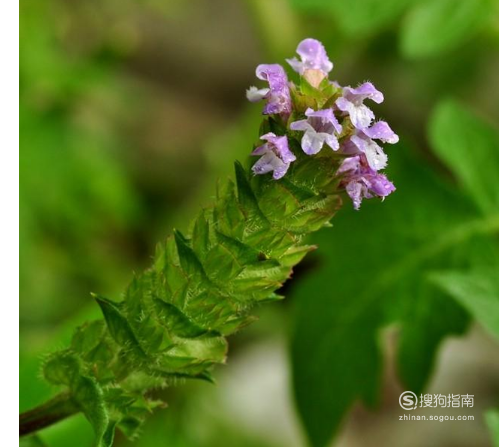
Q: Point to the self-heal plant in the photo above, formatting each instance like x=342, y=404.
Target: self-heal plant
x=316, y=146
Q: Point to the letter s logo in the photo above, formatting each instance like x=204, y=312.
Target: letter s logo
x=408, y=400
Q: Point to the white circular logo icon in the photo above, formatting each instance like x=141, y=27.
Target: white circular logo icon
x=408, y=400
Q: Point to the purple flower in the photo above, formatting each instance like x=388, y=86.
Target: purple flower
x=352, y=102
x=313, y=57
x=381, y=131
x=362, y=142
x=319, y=127
x=276, y=156
x=277, y=95
x=362, y=182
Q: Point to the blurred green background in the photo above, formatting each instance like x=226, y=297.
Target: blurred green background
x=129, y=113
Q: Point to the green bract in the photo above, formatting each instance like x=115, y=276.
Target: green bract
x=174, y=318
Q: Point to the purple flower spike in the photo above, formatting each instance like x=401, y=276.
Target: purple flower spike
x=313, y=57
x=352, y=102
x=319, y=127
x=276, y=156
x=362, y=182
x=277, y=95
x=382, y=131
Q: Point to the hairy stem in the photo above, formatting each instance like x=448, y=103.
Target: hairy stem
x=54, y=410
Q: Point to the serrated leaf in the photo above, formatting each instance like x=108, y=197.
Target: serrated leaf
x=294, y=255
x=88, y=336
x=140, y=313
x=62, y=368
x=118, y=326
x=90, y=399
x=188, y=260
x=435, y=26
x=65, y=368
x=205, y=349
x=177, y=322
x=470, y=148
x=246, y=197
x=201, y=236
x=228, y=258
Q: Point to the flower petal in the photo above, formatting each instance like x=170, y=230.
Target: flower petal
x=313, y=56
x=349, y=164
x=363, y=91
x=381, y=186
x=361, y=116
x=382, y=131
x=356, y=192
x=326, y=116
x=279, y=98
x=332, y=142
x=280, y=170
x=254, y=94
x=300, y=125
x=264, y=164
x=375, y=156
x=311, y=142
x=260, y=150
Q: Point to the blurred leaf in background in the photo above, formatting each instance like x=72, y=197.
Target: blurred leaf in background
x=470, y=147
x=492, y=417
x=477, y=291
x=357, y=18
x=378, y=262
x=429, y=27
x=436, y=26
x=75, y=193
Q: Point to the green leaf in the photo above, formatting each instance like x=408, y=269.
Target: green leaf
x=118, y=326
x=376, y=274
x=435, y=26
x=88, y=394
x=31, y=441
x=247, y=199
x=201, y=236
x=189, y=261
x=492, y=419
x=477, y=291
x=176, y=321
x=65, y=368
x=470, y=148
x=357, y=17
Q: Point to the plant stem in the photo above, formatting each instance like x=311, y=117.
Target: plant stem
x=56, y=409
